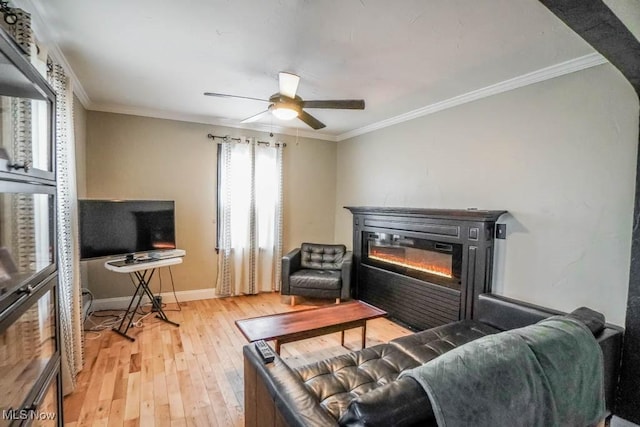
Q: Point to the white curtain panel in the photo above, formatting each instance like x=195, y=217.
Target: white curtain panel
x=268, y=194
x=223, y=282
x=277, y=242
x=67, y=232
x=251, y=218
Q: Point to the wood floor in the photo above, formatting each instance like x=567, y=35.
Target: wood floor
x=191, y=375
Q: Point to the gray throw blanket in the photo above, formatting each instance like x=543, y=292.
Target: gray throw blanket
x=547, y=374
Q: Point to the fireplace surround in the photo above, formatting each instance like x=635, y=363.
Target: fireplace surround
x=425, y=267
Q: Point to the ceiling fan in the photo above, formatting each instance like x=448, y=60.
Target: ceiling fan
x=286, y=105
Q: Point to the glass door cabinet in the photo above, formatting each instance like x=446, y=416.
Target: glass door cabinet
x=30, y=384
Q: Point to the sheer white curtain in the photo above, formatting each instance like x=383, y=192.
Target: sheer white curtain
x=67, y=231
x=250, y=243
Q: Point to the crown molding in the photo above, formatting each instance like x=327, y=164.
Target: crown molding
x=46, y=36
x=77, y=87
x=547, y=73
x=208, y=120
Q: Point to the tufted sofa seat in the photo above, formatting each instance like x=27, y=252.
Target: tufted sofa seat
x=362, y=388
x=337, y=381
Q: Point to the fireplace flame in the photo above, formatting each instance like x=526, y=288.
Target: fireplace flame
x=415, y=265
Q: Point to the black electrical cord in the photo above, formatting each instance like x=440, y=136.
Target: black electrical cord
x=173, y=286
x=88, y=312
x=140, y=310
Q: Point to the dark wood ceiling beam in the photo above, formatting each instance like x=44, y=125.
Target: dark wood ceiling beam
x=602, y=29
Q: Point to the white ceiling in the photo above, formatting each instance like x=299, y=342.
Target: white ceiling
x=156, y=57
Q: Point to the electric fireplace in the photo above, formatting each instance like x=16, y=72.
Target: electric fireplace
x=424, y=267
x=424, y=259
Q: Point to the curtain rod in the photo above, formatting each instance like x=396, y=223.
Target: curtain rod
x=227, y=138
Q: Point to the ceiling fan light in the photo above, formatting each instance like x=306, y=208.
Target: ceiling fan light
x=285, y=112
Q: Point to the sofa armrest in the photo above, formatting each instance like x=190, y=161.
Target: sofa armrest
x=290, y=264
x=506, y=313
x=346, y=275
x=274, y=395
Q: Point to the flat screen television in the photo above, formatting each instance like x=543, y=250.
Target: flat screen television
x=123, y=227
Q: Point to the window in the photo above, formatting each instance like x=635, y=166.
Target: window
x=251, y=193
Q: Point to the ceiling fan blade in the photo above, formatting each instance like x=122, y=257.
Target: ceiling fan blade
x=223, y=95
x=255, y=117
x=342, y=104
x=310, y=120
x=288, y=84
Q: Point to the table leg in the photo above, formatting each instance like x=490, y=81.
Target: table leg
x=142, y=289
x=278, y=347
x=127, y=319
x=342, y=337
x=364, y=334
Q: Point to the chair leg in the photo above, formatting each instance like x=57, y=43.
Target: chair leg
x=293, y=300
x=337, y=300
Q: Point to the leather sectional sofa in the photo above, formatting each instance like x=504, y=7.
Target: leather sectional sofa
x=362, y=388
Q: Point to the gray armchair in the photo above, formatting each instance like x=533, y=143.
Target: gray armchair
x=317, y=270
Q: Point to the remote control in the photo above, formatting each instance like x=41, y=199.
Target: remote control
x=265, y=351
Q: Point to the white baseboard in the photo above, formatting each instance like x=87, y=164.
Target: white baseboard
x=121, y=303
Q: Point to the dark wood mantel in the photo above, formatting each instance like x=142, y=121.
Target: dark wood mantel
x=459, y=214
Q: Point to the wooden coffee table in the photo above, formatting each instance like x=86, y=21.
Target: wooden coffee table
x=308, y=323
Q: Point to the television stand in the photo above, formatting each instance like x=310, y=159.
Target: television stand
x=143, y=270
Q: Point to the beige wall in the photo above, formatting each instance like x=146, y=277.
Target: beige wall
x=132, y=157
x=559, y=155
x=80, y=134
